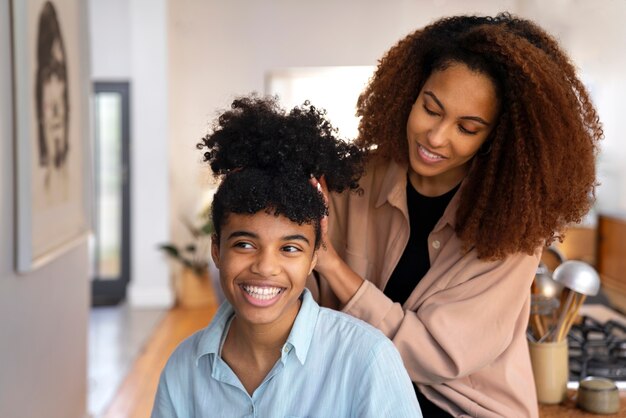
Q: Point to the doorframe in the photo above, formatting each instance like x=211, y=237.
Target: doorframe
x=112, y=292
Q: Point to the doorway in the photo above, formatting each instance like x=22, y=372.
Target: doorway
x=111, y=240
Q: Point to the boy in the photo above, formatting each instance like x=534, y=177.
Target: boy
x=271, y=350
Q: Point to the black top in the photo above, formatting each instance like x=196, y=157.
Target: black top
x=424, y=213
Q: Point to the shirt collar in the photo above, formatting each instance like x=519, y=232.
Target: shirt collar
x=393, y=188
x=299, y=338
x=393, y=191
x=211, y=337
x=303, y=328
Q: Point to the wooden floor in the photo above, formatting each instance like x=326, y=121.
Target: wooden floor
x=136, y=394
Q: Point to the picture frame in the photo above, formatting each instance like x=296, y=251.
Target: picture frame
x=51, y=129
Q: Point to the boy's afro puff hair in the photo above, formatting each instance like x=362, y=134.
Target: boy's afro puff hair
x=267, y=156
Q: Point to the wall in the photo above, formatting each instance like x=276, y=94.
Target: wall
x=109, y=23
x=594, y=34
x=129, y=42
x=44, y=314
x=222, y=49
x=186, y=59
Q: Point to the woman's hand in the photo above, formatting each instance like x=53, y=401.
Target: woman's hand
x=342, y=279
x=326, y=255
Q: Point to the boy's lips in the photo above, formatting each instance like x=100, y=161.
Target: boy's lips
x=261, y=295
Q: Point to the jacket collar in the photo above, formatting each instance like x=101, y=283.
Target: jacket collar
x=393, y=191
x=393, y=187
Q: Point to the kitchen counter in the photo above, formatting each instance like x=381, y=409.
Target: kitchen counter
x=570, y=410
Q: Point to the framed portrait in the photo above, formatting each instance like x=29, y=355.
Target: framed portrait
x=52, y=137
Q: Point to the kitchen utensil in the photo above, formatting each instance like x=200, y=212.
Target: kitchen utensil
x=552, y=257
x=598, y=395
x=578, y=276
x=579, y=280
x=542, y=315
x=545, y=288
x=545, y=284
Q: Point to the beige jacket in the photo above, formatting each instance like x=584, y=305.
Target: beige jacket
x=462, y=332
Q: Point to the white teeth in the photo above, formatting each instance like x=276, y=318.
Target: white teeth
x=429, y=154
x=263, y=293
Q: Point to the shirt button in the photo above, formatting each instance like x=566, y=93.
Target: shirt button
x=286, y=349
x=436, y=244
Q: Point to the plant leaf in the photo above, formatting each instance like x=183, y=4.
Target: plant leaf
x=207, y=228
x=170, y=250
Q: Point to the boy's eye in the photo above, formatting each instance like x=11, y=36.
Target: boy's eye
x=243, y=244
x=291, y=249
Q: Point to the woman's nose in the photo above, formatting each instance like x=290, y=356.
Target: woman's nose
x=266, y=264
x=437, y=135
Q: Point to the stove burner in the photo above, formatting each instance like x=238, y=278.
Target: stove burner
x=597, y=349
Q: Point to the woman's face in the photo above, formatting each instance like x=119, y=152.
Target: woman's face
x=54, y=116
x=450, y=120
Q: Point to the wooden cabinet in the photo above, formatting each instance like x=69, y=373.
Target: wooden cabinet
x=611, y=260
x=580, y=243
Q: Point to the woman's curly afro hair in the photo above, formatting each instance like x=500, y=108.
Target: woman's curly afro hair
x=266, y=157
x=536, y=171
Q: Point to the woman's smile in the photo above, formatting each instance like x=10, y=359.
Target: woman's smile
x=428, y=156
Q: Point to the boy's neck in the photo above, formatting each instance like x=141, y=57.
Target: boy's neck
x=251, y=350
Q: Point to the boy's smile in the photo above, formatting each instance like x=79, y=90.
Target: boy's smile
x=264, y=261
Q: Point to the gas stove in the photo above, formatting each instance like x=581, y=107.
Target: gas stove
x=597, y=347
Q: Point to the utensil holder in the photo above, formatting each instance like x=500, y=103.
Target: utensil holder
x=551, y=370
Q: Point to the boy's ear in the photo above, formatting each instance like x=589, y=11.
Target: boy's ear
x=215, y=250
x=313, y=262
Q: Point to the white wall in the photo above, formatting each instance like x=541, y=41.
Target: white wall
x=44, y=314
x=129, y=42
x=186, y=59
x=109, y=22
x=594, y=34
x=221, y=49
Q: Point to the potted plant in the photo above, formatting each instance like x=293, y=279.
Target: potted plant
x=193, y=286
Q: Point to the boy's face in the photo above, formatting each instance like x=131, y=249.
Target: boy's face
x=264, y=261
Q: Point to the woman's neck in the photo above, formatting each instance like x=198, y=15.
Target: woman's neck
x=435, y=186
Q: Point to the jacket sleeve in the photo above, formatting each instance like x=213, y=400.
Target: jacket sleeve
x=460, y=328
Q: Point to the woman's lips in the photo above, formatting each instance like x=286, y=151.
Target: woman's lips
x=427, y=155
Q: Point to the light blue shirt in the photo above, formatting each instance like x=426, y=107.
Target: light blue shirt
x=332, y=365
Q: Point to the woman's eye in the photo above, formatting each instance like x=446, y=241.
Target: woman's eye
x=430, y=112
x=464, y=130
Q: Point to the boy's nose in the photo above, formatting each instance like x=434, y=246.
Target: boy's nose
x=266, y=264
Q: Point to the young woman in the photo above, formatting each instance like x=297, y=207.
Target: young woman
x=271, y=351
x=482, y=149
